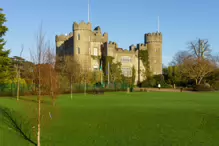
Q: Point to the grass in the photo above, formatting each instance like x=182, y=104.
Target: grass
x=121, y=119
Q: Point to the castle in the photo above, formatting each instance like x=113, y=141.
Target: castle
x=84, y=43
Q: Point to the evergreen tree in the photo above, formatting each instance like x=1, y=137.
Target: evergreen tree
x=5, y=61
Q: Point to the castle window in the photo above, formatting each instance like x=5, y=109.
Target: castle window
x=127, y=72
x=79, y=51
x=95, y=52
x=156, y=50
x=95, y=68
x=126, y=59
x=79, y=37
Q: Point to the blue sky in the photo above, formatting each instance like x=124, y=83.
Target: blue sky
x=126, y=21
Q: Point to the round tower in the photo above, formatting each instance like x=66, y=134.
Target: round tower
x=154, y=47
x=82, y=33
x=82, y=37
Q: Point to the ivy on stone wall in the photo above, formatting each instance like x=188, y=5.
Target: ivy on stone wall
x=144, y=57
x=133, y=75
x=96, y=57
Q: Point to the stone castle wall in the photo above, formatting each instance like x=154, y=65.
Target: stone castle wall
x=83, y=43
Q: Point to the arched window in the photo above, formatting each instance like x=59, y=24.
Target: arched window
x=79, y=51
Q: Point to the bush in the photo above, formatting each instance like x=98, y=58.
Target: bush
x=166, y=86
x=215, y=85
x=154, y=81
x=202, y=87
x=149, y=83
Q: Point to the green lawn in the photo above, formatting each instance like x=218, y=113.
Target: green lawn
x=121, y=119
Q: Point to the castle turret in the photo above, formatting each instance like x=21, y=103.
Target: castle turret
x=82, y=38
x=154, y=47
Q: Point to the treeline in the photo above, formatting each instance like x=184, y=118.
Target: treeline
x=196, y=68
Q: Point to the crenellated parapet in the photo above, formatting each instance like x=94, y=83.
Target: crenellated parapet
x=153, y=37
x=142, y=46
x=63, y=37
x=82, y=26
x=132, y=48
x=112, y=44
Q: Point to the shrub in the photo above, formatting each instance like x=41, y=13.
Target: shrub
x=202, y=87
x=215, y=85
x=166, y=86
x=151, y=82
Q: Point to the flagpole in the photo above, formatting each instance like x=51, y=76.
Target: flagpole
x=158, y=24
x=88, y=10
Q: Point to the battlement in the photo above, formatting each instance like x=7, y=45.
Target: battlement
x=132, y=48
x=105, y=34
x=112, y=43
x=97, y=29
x=141, y=46
x=120, y=50
x=154, y=34
x=153, y=37
x=63, y=37
x=82, y=26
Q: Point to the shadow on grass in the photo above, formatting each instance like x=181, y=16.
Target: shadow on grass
x=15, y=122
x=35, y=100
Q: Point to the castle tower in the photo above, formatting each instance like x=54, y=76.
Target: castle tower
x=82, y=38
x=60, y=40
x=154, y=47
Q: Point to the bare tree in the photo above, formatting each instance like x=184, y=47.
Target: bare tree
x=200, y=48
x=196, y=68
x=51, y=79
x=38, y=59
x=71, y=70
x=18, y=71
x=84, y=71
x=179, y=58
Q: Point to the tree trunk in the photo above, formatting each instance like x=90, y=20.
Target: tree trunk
x=196, y=81
x=85, y=87
x=71, y=87
x=200, y=80
x=18, y=83
x=51, y=88
x=39, y=112
x=38, y=132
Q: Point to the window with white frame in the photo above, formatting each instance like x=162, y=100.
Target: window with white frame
x=127, y=72
x=126, y=59
x=95, y=52
x=95, y=67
